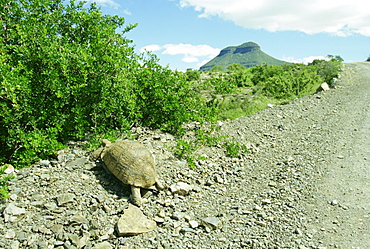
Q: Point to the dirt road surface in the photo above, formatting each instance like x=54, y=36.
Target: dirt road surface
x=341, y=205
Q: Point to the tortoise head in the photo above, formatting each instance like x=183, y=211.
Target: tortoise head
x=100, y=151
x=106, y=143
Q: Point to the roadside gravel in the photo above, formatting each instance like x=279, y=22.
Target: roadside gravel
x=304, y=184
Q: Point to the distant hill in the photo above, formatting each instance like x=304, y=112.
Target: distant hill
x=248, y=54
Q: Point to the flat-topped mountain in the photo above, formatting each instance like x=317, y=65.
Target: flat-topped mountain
x=248, y=54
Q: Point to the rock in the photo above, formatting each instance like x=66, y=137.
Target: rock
x=103, y=245
x=158, y=219
x=10, y=234
x=11, y=212
x=76, y=163
x=9, y=169
x=44, y=162
x=266, y=201
x=77, y=220
x=134, y=222
x=64, y=199
x=261, y=223
x=334, y=202
x=181, y=188
x=272, y=184
x=193, y=223
x=211, y=222
x=323, y=87
x=15, y=245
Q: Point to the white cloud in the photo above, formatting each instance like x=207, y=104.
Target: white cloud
x=105, y=3
x=190, y=59
x=337, y=17
x=190, y=50
x=126, y=12
x=191, y=53
x=150, y=48
x=305, y=60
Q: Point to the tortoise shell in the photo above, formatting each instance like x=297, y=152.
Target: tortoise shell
x=131, y=162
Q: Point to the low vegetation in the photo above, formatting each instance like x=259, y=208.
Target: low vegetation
x=66, y=74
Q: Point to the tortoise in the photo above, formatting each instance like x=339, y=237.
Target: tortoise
x=132, y=163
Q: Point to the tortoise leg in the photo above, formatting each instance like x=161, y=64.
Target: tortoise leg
x=159, y=185
x=136, y=195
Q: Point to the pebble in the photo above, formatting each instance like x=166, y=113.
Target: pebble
x=193, y=223
x=334, y=202
x=134, y=222
x=181, y=188
x=64, y=199
x=211, y=222
x=11, y=212
x=9, y=169
x=10, y=234
x=103, y=245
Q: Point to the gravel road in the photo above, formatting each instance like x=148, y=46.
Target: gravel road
x=304, y=184
x=340, y=209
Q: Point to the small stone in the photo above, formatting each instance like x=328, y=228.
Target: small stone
x=77, y=163
x=50, y=206
x=261, y=223
x=10, y=234
x=158, y=219
x=266, y=201
x=21, y=236
x=14, y=245
x=211, y=222
x=77, y=220
x=134, y=222
x=44, y=162
x=162, y=213
x=104, y=237
x=13, y=197
x=334, y=202
x=181, y=188
x=64, y=199
x=58, y=243
x=272, y=184
x=57, y=228
x=193, y=223
x=298, y=231
x=186, y=230
x=103, y=245
x=344, y=207
x=323, y=87
x=44, y=230
x=258, y=208
x=11, y=212
x=9, y=169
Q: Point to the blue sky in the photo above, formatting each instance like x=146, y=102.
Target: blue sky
x=187, y=33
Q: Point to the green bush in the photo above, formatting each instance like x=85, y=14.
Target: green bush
x=65, y=73
x=192, y=75
x=295, y=80
x=328, y=70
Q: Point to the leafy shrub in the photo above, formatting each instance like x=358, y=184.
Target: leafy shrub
x=240, y=78
x=217, y=68
x=192, y=75
x=296, y=80
x=66, y=73
x=328, y=70
x=292, y=84
x=234, y=149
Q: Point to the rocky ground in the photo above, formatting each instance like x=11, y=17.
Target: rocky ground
x=304, y=184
